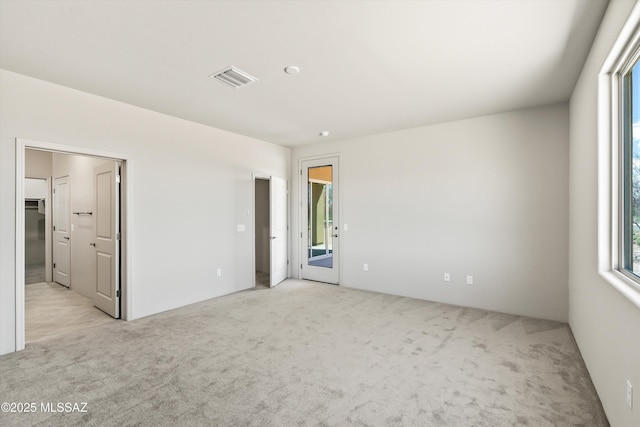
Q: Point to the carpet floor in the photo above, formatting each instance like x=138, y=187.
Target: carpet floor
x=307, y=354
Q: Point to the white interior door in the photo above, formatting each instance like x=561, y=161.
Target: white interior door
x=107, y=238
x=320, y=220
x=61, y=232
x=278, y=227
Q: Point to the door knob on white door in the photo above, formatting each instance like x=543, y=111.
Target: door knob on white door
x=92, y=244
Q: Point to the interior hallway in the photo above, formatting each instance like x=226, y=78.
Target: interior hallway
x=34, y=273
x=53, y=310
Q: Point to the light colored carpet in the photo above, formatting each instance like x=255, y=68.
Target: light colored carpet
x=309, y=354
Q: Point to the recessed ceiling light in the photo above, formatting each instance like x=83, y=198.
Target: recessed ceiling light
x=324, y=133
x=292, y=69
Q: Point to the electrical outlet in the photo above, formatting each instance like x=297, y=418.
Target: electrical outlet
x=469, y=280
x=219, y=272
x=365, y=267
x=629, y=394
x=447, y=277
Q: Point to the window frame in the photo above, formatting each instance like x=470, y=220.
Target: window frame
x=625, y=159
x=612, y=203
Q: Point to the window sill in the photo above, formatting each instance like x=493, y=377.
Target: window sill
x=624, y=285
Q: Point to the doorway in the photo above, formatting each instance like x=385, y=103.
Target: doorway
x=88, y=245
x=37, y=234
x=320, y=220
x=262, y=234
x=270, y=249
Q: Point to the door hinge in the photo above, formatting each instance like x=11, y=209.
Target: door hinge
x=301, y=234
x=287, y=262
x=118, y=235
x=54, y=265
x=300, y=266
x=300, y=172
x=118, y=179
x=54, y=228
x=118, y=293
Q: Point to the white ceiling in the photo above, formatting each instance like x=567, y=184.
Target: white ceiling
x=366, y=66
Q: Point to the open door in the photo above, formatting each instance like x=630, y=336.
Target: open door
x=278, y=228
x=61, y=232
x=106, y=182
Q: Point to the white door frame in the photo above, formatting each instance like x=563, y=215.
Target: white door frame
x=23, y=144
x=302, y=220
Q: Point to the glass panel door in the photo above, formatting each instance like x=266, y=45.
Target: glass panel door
x=320, y=220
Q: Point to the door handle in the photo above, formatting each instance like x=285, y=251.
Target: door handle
x=92, y=244
x=65, y=237
x=272, y=237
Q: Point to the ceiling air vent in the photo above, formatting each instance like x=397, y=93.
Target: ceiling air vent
x=234, y=77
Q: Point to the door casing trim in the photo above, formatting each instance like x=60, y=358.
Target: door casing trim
x=22, y=144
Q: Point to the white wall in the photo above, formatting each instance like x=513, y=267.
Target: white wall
x=485, y=197
x=605, y=324
x=37, y=164
x=190, y=185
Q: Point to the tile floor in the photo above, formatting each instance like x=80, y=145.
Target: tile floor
x=262, y=280
x=52, y=310
x=34, y=273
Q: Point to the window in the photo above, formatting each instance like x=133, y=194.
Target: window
x=629, y=126
x=619, y=163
